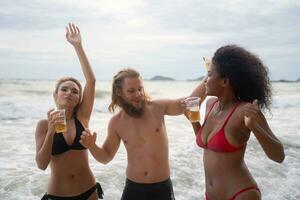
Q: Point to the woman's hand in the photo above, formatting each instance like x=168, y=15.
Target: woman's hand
x=257, y=123
x=252, y=115
x=54, y=118
x=73, y=34
x=87, y=139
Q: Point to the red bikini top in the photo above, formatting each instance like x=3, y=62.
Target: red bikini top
x=218, y=142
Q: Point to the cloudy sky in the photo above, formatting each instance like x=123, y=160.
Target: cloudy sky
x=157, y=37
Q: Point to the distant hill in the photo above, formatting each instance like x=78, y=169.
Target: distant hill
x=161, y=78
x=165, y=78
x=286, y=81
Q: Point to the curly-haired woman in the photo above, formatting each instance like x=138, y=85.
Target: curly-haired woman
x=240, y=86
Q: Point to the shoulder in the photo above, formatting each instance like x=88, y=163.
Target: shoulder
x=42, y=126
x=116, y=122
x=157, y=106
x=238, y=116
x=210, y=102
x=239, y=110
x=42, y=123
x=241, y=133
x=116, y=117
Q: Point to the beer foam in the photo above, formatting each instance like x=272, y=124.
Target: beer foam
x=195, y=108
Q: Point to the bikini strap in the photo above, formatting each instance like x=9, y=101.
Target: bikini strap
x=232, y=111
x=100, y=191
x=45, y=197
x=206, y=116
x=244, y=190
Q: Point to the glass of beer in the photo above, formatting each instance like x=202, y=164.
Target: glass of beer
x=61, y=128
x=193, y=107
x=207, y=63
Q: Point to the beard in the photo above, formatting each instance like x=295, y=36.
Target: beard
x=131, y=110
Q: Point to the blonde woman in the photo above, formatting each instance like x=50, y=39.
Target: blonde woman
x=71, y=177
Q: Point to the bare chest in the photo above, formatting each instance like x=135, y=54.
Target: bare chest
x=147, y=130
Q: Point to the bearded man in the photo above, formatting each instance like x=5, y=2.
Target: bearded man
x=140, y=124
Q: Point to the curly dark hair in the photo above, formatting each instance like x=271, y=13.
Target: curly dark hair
x=246, y=72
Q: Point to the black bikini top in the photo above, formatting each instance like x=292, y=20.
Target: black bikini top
x=60, y=145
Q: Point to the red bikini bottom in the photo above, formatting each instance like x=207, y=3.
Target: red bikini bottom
x=239, y=192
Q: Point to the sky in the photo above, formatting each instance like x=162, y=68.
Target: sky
x=156, y=37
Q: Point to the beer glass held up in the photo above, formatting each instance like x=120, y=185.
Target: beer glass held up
x=193, y=107
x=61, y=128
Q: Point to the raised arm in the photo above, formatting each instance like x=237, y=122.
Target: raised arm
x=257, y=123
x=199, y=91
x=85, y=109
x=170, y=106
x=107, y=151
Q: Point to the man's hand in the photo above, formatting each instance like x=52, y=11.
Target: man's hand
x=87, y=139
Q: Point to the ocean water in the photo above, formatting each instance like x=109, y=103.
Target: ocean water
x=24, y=102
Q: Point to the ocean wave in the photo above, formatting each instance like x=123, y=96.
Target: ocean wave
x=98, y=93
x=39, y=92
x=102, y=93
x=99, y=111
x=13, y=82
x=5, y=118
